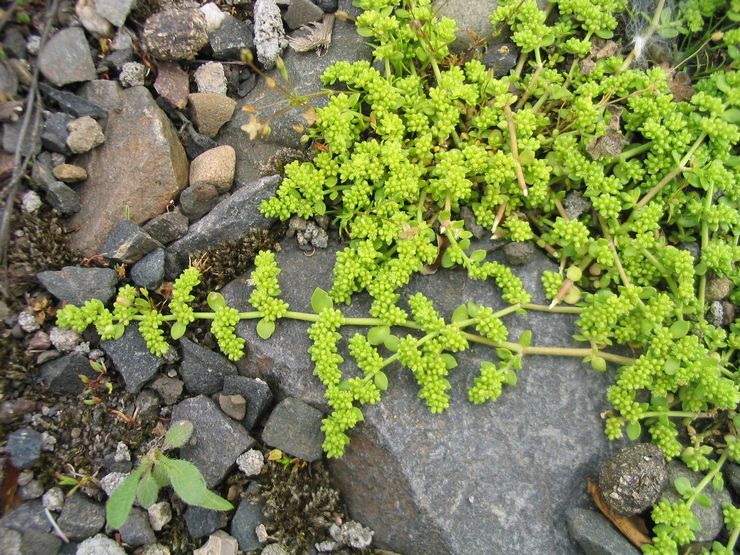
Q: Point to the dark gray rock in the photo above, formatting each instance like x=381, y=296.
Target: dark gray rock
x=24, y=447
x=115, y=11
x=128, y=243
x=596, y=535
x=10, y=541
x=29, y=515
x=119, y=58
x=167, y=227
x=11, y=137
x=471, y=18
x=302, y=12
x=196, y=143
x=501, y=58
x=175, y=34
x=202, y=522
x=107, y=94
x=295, y=428
x=197, y=200
x=732, y=477
x=247, y=81
x=169, y=389
x=132, y=359
x=230, y=38
x=8, y=80
x=62, y=375
x=136, y=530
x=66, y=58
x=63, y=198
x=329, y=6
x=147, y=404
x=217, y=440
x=247, y=517
x=230, y=219
x=413, y=457
x=255, y=391
x=711, y=518
x=36, y=542
x=518, y=254
x=77, y=285
x=633, y=479
x=54, y=136
x=203, y=370
x=257, y=158
x=575, y=204
x=14, y=43
x=149, y=271
x=81, y=517
x=73, y=104
x=41, y=173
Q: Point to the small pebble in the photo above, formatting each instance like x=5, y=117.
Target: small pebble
x=234, y=406
x=84, y=135
x=133, y=74
x=27, y=321
x=32, y=490
x=251, y=462
x=110, y=482
x=64, y=340
x=30, y=202
x=25, y=477
x=53, y=499
x=160, y=514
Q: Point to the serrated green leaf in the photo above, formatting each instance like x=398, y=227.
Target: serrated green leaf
x=525, y=339
x=704, y=500
x=148, y=490
x=682, y=485
x=265, y=328
x=178, y=434
x=121, y=500
x=680, y=328
x=381, y=381
x=178, y=330
x=216, y=300
x=460, y=314
x=392, y=343
x=189, y=484
x=377, y=335
x=320, y=300
x=633, y=430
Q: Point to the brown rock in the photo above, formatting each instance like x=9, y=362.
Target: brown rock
x=69, y=173
x=6, y=165
x=175, y=34
x=142, y=166
x=210, y=111
x=85, y=134
x=172, y=84
x=214, y=167
x=234, y=406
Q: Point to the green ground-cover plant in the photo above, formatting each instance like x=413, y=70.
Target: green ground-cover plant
x=401, y=151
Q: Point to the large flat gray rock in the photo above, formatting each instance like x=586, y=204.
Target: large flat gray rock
x=496, y=478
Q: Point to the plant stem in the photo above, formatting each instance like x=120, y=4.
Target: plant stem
x=558, y=309
x=708, y=478
x=676, y=414
x=515, y=149
x=646, y=37
x=704, y=243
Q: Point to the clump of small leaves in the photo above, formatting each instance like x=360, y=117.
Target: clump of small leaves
x=155, y=471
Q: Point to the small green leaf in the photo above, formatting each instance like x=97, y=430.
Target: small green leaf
x=525, y=339
x=633, y=430
x=358, y=414
x=118, y=331
x=320, y=300
x=704, y=500
x=510, y=377
x=671, y=366
x=680, y=328
x=319, y=208
x=447, y=261
x=122, y=499
x=381, y=381
x=265, y=328
x=450, y=361
x=178, y=330
x=148, y=490
x=216, y=300
x=160, y=476
x=473, y=309
x=598, y=364
x=478, y=255
x=364, y=31
x=178, y=434
x=460, y=314
x=392, y=343
x=682, y=485
x=504, y=354
x=718, y=482
x=377, y=335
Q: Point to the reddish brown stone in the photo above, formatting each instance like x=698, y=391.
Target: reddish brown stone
x=172, y=84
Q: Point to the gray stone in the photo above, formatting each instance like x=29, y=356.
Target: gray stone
x=128, y=243
x=117, y=59
x=501, y=58
x=275, y=549
x=632, y=479
x=169, y=389
x=29, y=515
x=202, y=522
x=175, y=34
x=147, y=404
x=210, y=111
x=137, y=531
x=10, y=541
x=24, y=447
x=232, y=36
x=576, y=204
x=141, y=132
x=133, y=74
x=255, y=391
x=518, y=254
x=85, y=134
x=167, y=227
x=214, y=167
x=73, y=104
x=269, y=36
x=36, y=542
x=596, y=535
x=302, y=12
x=352, y=534
x=76, y=285
x=132, y=359
x=197, y=200
x=413, y=457
x=42, y=174
x=100, y=545
x=203, y=370
x=160, y=514
x=234, y=406
x=711, y=518
x=54, y=136
x=115, y=11
x=66, y=58
x=8, y=80
x=14, y=43
x=257, y=158
x=247, y=82
x=247, y=517
x=219, y=543
x=110, y=482
x=62, y=375
x=295, y=428
x=229, y=220
x=63, y=198
x=732, y=477
x=11, y=136
x=13, y=409
x=214, y=16
x=210, y=78
x=64, y=340
x=251, y=462
x=149, y=271
x=91, y=20
x=32, y=490
x=718, y=288
x=81, y=517
x=106, y=93
x=471, y=18
x=53, y=499
x=217, y=440
x=329, y=6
